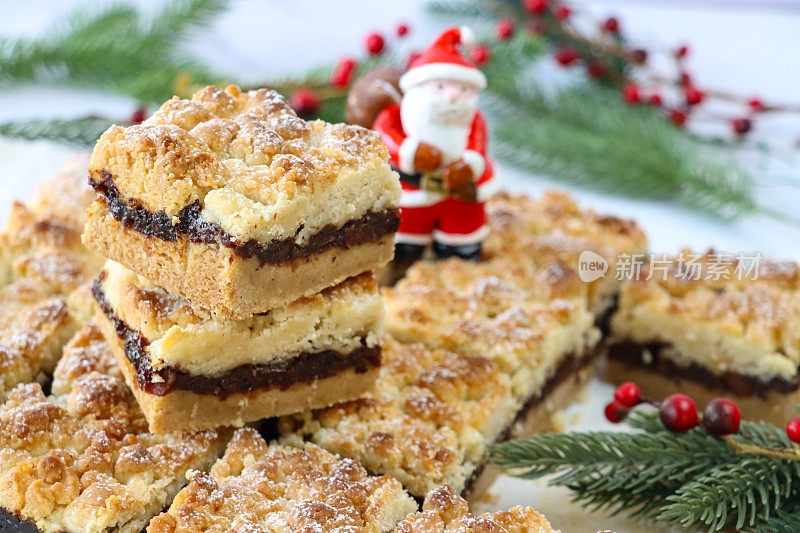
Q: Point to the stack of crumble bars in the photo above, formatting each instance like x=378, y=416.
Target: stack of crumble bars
x=242, y=242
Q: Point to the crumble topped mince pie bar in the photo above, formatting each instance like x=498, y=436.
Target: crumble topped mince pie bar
x=81, y=460
x=712, y=325
x=446, y=512
x=192, y=370
x=426, y=422
x=465, y=307
x=280, y=489
x=554, y=228
x=232, y=201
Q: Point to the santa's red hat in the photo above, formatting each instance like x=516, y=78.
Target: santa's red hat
x=443, y=61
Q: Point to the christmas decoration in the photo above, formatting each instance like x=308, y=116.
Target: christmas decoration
x=374, y=43
x=719, y=474
x=437, y=138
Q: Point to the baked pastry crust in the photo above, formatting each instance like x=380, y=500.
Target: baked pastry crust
x=342, y=319
x=293, y=362
x=234, y=190
x=82, y=460
x=750, y=326
x=44, y=276
x=467, y=308
x=426, y=422
x=444, y=511
x=260, y=487
x=554, y=228
x=727, y=330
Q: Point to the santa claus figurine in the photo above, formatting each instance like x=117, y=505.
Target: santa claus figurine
x=436, y=137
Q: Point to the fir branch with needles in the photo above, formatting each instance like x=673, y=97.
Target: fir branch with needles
x=690, y=479
x=117, y=48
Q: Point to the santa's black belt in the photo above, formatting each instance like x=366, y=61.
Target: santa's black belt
x=413, y=180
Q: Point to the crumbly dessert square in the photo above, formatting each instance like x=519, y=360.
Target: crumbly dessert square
x=469, y=308
x=426, y=422
x=232, y=201
x=554, y=228
x=712, y=325
x=44, y=292
x=446, y=512
x=191, y=369
x=262, y=487
x=81, y=460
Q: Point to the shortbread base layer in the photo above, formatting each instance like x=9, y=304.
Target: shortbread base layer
x=214, y=277
x=536, y=417
x=182, y=410
x=776, y=408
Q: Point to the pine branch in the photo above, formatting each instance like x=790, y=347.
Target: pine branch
x=785, y=520
x=82, y=132
x=114, y=48
x=685, y=479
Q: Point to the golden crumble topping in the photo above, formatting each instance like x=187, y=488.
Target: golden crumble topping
x=428, y=420
x=723, y=311
x=554, y=228
x=248, y=143
x=82, y=460
x=261, y=487
x=468, y=308
x=44, y=277
x=446, y=512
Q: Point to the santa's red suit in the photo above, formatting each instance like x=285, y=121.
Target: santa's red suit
x=427, y=215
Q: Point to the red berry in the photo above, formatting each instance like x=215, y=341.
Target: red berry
x=480, y=54
x=305, y=102
x=596, y=69
x=504, y=29
x=616, y=412
x=793, y=430
x=686, y=79
x=566, y=55
x=628, y=394
x=534, y=6
x=722, y=417
x=683, y=51
x=402, y=29
x=611, y=25
x=630, y=93
x=756, y=104
x=677, y=117
x=678, y=413
x=374, y=43
x=562, y=12
x=693, y=95
x=639, y=56
x=138, y=116
x=741, y=125
x=343, y=72
x=655, y=99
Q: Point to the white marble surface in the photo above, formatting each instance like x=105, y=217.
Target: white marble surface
x=748, y=47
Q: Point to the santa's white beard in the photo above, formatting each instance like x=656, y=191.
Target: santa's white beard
x=434, y=120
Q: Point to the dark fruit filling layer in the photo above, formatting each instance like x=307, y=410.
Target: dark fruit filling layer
x=371, y=227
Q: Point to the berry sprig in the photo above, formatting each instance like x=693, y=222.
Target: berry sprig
x=720, y=418
x=609, y=58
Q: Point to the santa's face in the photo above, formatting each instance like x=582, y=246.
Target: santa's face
x=440, y=112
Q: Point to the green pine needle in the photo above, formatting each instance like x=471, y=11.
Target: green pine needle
x=685, y=479
x=81, y=132
x=116, y=48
